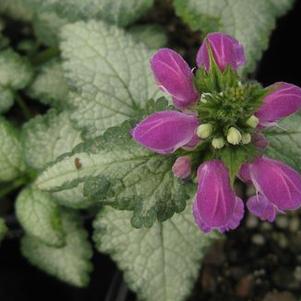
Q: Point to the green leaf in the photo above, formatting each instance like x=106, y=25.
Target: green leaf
x=153, y=36
x=70, y=263
x=16, y=9
x=15, y=71
x=40, y=216
x=160, y=263
x=109, y=70
x=47, y=26
x=249, y=21
x=139, y=180
x=11, y=160
x=49, y=86
x=73, y=198
x=285, y=141
x=234, y=157
x=119, y=12
x=6, y=99
x=3, y=229
x=46, y=137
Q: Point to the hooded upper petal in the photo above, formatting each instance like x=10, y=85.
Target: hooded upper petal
x=166, y=131
x=174, y=76
x=216, y=206
x=182, y=167
x=225, y=49
x=283, y=100
x=277, y=182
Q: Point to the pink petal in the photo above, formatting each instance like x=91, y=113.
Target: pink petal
x=283, y=100
x=182, y=167
x=277, y=182
x=261, y=207
x=216, y=206
x=225, y=49
x=166, y=131
x=174, y=76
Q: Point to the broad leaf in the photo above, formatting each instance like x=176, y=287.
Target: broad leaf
x=70, y=263
x=49, y=86
x=160, y=263
x=40, y=216
x=47, y=137
x=153, y=36
x=11, y=160
x=119, y=12
x=16, y=9
x=110, y=73
x=285, y=141
x=15, y=71
x=118, y=171
x=249, y=21
x=6, y=99
x=3, y=229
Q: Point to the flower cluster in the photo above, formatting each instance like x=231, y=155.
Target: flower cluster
x=218, y=113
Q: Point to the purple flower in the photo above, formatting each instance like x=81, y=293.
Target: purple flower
x=216, y=206
x=164, y=132
x=283, y=100
x=278, y=187
x=227, y=124
x=225, y=50
x=182, y=167
x=175, y=77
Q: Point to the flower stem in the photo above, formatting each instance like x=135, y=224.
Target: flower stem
x=23, y=106
x=45, y=56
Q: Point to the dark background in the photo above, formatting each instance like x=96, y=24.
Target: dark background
x=20, y=281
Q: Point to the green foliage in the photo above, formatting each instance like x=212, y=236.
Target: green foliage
x=44, y=138
x=40, y=216
x=285, y=141
x=249, y=21
x=49, y=86
x=119, y=12
x=3, y=229
x=153, y=36
x=110, y=73
x=16, y=9
x=127, y=176
x=15, y=74
x=160, y=263
x=70, y=263
x=11, y=160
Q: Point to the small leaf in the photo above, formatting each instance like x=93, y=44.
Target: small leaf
x=70, y=263
x=47, y=137
x=235, y=17
x=16, y=9
x=136, y=179
x=153, y=36
x=40, y=216
x=11, y=160
x=3, y=229
x=110, y=73
x=234, y=157
x=6, y=99
x=15, y=71
x=160, y=263
x=119, y=12
x=285, y=141
x=49, y=86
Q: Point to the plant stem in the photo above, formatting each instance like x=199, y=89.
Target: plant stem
x=45, y=56
x=13, y=186
x=23, y=106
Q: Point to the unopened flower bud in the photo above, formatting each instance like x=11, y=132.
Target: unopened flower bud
x=246, y=138
x=182, y=167
x=218, y=143
x=233, y=136
x=204, y=130
x=252, y=121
